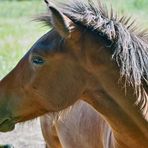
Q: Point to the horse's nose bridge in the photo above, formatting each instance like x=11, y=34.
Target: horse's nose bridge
x=7, y=84
x=3, y=94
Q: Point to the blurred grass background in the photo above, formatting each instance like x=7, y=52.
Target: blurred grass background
x=18, y=32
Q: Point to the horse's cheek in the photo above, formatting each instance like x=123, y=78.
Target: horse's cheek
x=72, y=86
x=65, y=86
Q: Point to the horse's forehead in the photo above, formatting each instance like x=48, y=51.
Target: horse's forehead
x=47, y=43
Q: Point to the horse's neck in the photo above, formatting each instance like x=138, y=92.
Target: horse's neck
x=126, y=132
x=118, y=108
x=83, y=123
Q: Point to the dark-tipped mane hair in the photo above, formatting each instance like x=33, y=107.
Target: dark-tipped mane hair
x=129, y=46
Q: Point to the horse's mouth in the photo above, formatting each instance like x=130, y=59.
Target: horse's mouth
x=6, y=125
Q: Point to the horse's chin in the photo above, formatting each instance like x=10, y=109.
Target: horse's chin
x=7, y=126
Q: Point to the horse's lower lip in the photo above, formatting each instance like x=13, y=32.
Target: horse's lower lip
x=6, y=125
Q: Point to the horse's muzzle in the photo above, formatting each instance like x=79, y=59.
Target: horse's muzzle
x=6, y=125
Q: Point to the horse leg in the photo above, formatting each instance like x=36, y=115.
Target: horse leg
x=49, y=132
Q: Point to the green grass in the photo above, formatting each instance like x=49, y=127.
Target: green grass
x=138, y=9
x=18, y=32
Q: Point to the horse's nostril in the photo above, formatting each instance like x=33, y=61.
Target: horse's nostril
x=2, y=121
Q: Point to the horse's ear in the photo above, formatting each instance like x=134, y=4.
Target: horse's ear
x=59, y=22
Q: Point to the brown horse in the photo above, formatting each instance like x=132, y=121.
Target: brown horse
x=83, y=56
x=80, y=126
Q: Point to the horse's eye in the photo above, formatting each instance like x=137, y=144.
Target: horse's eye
x=38, y=60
